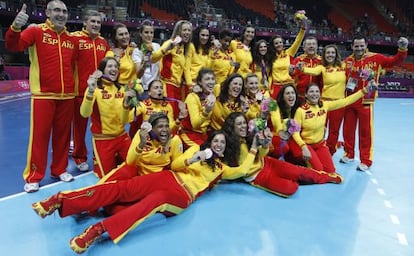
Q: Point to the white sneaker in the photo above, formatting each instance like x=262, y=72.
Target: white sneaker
x=65, y=177
x=83, y=167
x=346, y=160
x=362, y=167
x=31, y=187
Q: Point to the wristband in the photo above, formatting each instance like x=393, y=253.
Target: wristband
x=253, y=151
x=14, y=28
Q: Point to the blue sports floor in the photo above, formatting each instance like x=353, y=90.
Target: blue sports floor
x=371, y=213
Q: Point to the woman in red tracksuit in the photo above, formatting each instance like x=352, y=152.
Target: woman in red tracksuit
x=273, y=175
x=311, y=117
x=167, y=192
x=200, y=108
x=104, y=103
x=334, y=79
x=282, y=141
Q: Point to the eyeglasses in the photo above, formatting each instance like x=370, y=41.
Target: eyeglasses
x=58, y=10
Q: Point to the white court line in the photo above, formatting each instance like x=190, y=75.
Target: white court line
x=16, y=97
x=394, y=219
x=380, y=191
x=402, y=239
x=387, y=204
x=374, y=181
x=43, y=187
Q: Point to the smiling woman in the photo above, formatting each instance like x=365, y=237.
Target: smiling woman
x=334, y=79
x=175, y=62
x=311, y=117
x=167, y=192
x=122, y=51
x=103, y=102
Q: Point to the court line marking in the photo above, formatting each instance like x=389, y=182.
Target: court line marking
x=394, y=219
x=380, y=191
x=402, y=239
x=387, y=204
x=7, y=99
x=44, y=187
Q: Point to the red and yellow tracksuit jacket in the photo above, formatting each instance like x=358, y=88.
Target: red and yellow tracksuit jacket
x=312, y=119
x=153, y=157
x=301, y=78
x=374, y=62
x=91, y=52
x=221, y=111
x=334, y=80
x=195, y=125
x=198, y=61
x=220, y=62
x=49, y=77
x=280, y=67
x=174, y=65
x=243, y=56
x=106, y=110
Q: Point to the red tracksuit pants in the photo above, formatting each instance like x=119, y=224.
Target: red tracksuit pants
x=334, y=121
x=282, y=178
x=79, y=125
x=109, y=153
x=157, y=192
x=321, y=158
x=48, y=116
x=363, y=115
x=283, y=150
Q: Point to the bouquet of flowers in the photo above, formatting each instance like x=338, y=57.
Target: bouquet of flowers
x=368, y=75
x=134, y=85
x=257, y=125
x=267, y=105
x=147, y=51
x=300, y=18
x=292, y=126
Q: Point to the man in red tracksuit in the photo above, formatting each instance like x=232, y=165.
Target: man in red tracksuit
x=311, y=59
x=361, y=112
x=52, y=53
x=92, y=49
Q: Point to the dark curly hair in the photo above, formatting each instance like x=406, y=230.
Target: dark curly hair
x=224, y=92
x=227, y=152
x=282, y=104
x=233, y=140
x=196, y=40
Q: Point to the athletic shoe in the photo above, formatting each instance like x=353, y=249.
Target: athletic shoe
x=31, y=187
x=47, y=206
x=65, y=177
x=335, y=178
x=362, y=167
x=83, y=167
x=346, y=160
x=81, y=243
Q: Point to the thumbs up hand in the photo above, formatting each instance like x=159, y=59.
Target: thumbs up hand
x=403, y=43
x=21, y=18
